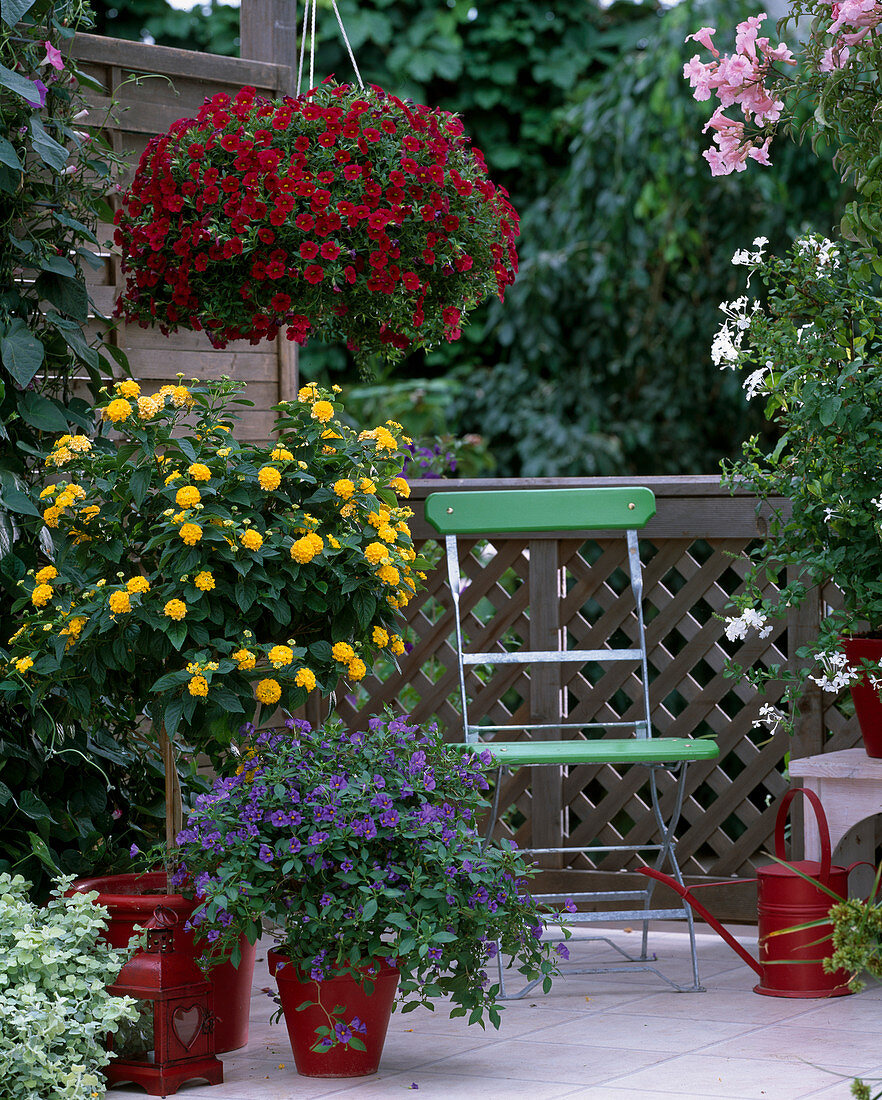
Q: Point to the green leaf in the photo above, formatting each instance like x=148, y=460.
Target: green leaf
x=5, y=794
x=8, y=155
x=9, y=180
x=15, y=83
x=59, y=265
x=12, y=11
x=42, y=413
x=369, y=909
x=16, y=501
x=225, y=698
x=41, y=851
x=172, y=715
x=69, y=296
x=21, y=352
x=356, y=1043
x=176, y=634
x=139, y=483
x=34, y=807
x=47, y=148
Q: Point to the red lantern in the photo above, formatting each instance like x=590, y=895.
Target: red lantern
x=175, y=1042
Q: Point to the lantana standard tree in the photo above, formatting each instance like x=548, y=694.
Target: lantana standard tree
x=199, y=578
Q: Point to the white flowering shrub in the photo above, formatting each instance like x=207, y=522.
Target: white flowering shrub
x=55, y=1010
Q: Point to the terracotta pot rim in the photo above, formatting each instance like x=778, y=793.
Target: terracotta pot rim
x=104, y=885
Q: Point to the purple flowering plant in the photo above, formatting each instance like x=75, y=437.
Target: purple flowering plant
x=360, y=847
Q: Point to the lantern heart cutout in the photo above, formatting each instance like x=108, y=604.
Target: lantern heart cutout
x=187, y=1024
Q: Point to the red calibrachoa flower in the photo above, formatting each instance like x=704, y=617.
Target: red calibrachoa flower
x=343, y=214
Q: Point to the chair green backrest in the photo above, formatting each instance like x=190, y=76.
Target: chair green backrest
x=512, y=510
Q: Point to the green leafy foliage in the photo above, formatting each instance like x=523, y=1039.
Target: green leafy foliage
x=54, y=1006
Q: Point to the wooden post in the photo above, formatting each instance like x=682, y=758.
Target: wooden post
x=174, y=813
x=809, y=729
x=268, y=32
x=546, y=696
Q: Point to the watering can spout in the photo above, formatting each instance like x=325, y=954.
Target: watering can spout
x=686, y=894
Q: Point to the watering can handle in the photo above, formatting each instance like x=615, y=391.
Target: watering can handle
x=866, y=863
x=823, y=829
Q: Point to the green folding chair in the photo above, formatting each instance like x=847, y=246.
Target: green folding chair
x=483, y=514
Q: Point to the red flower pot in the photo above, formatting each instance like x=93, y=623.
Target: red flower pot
x=867, y=701
x=371, y=1009
x=131, y=899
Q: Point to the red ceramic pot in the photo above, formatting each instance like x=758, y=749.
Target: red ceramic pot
x=867, y=703
x=131, y=899
x=372, y=1009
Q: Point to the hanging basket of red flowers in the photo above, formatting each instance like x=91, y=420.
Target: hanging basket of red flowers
x=345, y=213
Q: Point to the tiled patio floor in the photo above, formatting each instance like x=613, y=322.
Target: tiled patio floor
x=595, y=1037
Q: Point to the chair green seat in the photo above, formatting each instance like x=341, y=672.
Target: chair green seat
x=655, y=750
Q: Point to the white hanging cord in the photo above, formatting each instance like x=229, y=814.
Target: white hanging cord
x=306, y=7
x=346, y=41
x=309, y=9
x=312, y=47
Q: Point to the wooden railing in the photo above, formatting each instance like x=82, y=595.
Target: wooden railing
x=693, y=554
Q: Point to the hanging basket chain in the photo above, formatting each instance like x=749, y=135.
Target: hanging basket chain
x=309, y=10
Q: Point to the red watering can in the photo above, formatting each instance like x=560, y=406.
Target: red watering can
x=790, y=961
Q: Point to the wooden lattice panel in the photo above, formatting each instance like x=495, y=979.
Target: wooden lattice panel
x=689, y=576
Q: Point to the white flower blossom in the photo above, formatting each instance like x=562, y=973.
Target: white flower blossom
x=747, y=259
x=749, y=619
x=824, y=251
x=877, y=502
x=835, y=673
x=771, y=717
x=754, y=383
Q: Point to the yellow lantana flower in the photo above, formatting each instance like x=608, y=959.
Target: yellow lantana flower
x=181, y=396
x=400, y=486
x=269, y=478
x=396, y=644
x=322, y=411
x=344, y=488
x=268, y=691
x=23, y=664
x=375, y=552
x=148, y=407
x=198, y=686
x=280, y=655
x=367, y=486
x=204, y=581
x=118, y=409
x=305, y=549
x=245, y=658
x=305, y=678
x=128, y=388
x=173, y=476
x=388, y=574
x=199, y=472
x=342, y=652
x=188, y=496
x=51, y=516
x=46, y=574
x=191, y=533
x=281, y=454
x=380, y=636
x=357, y=669
x=80, y=443
x=175, y=609
x=42, y=594
x=119, y=603
x=251, y=539
x=48, y=491
x=138, y=585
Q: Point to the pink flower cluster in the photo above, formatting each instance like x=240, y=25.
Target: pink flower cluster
x=863, y=15
x=737, y=80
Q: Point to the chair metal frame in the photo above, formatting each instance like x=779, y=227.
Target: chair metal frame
x=458, y=514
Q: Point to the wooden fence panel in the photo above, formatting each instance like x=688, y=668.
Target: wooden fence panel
x=144, y=90
x=693, y=553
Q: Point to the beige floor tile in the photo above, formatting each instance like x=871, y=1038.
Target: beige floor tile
x=713, y=1076
x=730, y=1005
x=821, y=1047
x=527, y=1060
x=630, y=1032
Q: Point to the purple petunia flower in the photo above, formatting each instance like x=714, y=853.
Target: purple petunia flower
x=563, y=950
x=265, y=853
x=133, y=851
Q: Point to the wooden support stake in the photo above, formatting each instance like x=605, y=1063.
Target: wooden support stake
x=174, y=812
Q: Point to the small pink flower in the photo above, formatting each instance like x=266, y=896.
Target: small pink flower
x=53, y=57
x=703, y=35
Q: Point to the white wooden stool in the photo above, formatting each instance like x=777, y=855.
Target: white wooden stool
x=849, y=784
